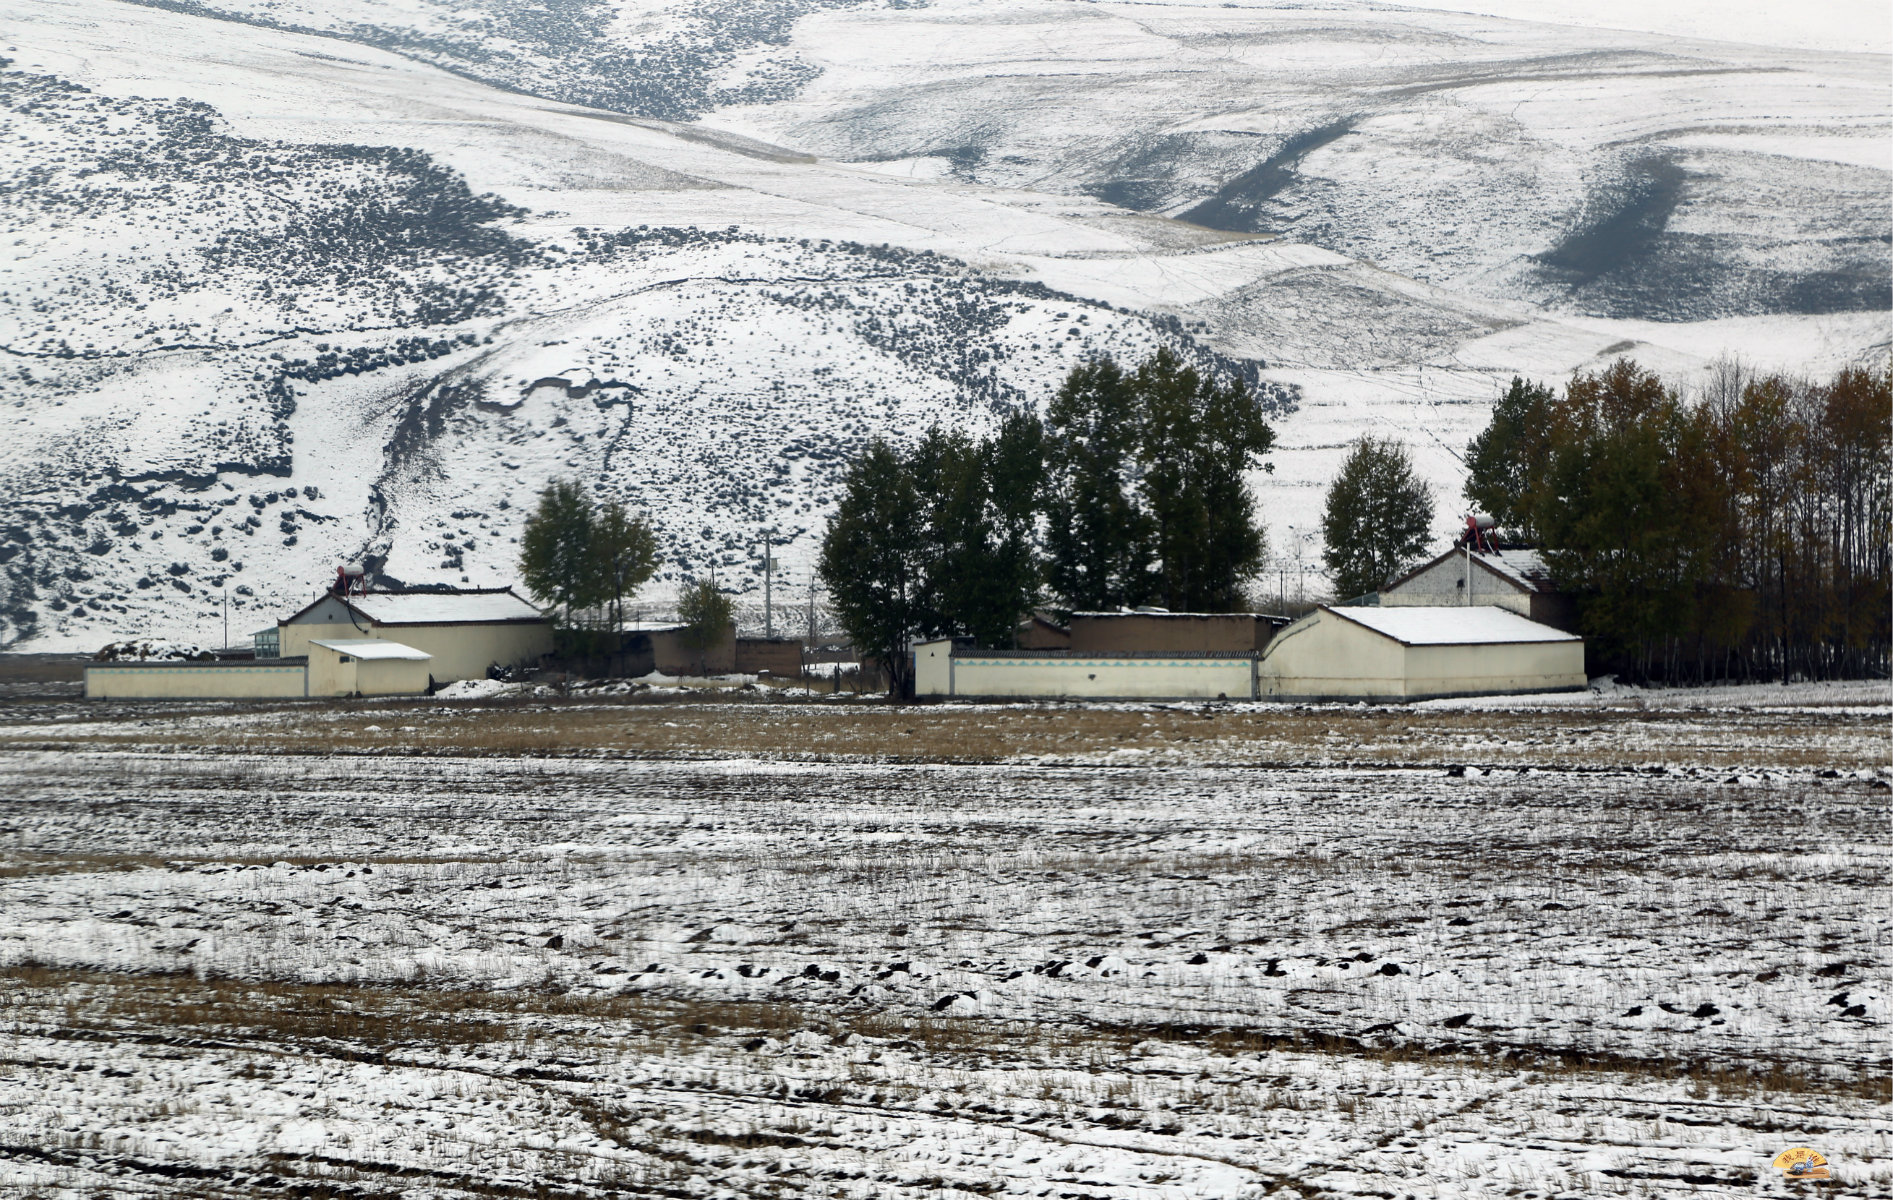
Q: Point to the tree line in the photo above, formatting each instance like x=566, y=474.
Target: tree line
x=1742, y=536
x=1128, y=492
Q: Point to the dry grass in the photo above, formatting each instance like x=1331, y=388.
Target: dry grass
x=952, y=733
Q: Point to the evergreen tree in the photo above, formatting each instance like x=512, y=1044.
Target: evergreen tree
x=1507, y=459
x=980, y=498
x=556, y=559
x=1377, y=518
x=1147, y=499
x=1099, y=536
x=872, y=561
x=709, y=618
x=625, y=547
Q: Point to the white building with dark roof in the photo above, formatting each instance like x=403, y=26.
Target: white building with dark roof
x=463, y=632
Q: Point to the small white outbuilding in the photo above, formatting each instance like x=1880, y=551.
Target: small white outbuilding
x=1417, y=653
x=366, y=667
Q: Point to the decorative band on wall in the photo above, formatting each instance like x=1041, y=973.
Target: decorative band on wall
x=190, y=669
x=1105, y=662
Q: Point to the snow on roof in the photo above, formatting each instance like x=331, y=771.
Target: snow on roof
x=1525, y=567
x=444, y=608
x=1164, y=615
x=371, y=648
x=1471, y=625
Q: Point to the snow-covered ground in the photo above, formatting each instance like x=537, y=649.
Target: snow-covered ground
x=1410, y=952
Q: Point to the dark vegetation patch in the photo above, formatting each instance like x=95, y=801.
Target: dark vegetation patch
x=1623, y=219
x=1238, y=205
x=1160, y=171
x=1621, y=258
x=573, y=50
x=386, y=233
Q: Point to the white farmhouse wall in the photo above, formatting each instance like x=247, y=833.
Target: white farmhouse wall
x=334, y=672
x=1321, y=657
x=1498, y=668
x=195, y=681
x=297, y=636
x=1100, y=677
x=391, y=676
x=460, y=651
x=329, y=675
x=1326, y=657
x=933, y=671
x=1443, y=583
x=466, y=651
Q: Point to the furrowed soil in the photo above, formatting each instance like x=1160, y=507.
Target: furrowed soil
x=792, y=949
x=1839, y=727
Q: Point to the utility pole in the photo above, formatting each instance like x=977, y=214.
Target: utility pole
x=226, y=617
x=768, y=581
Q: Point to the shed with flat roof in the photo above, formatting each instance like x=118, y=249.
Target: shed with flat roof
x=1417, y=653
x=366, y=667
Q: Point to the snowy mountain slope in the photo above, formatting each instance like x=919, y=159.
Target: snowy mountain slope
x=472, y=289
x=188, y=306
x=668, y=59
x=1594, y=171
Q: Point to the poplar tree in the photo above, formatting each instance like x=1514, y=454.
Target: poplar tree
x=873, y=558
x=556, y=561
x=1507, y=459
x=1200, y=436
x=1377, y=518
x=979, y=573
x=1147, y=499
x=1099, y=537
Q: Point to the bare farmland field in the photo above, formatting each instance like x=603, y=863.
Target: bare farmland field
x=698, y=949
x=1831, y=726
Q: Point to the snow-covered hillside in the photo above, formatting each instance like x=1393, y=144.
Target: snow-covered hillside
x=292, y=284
